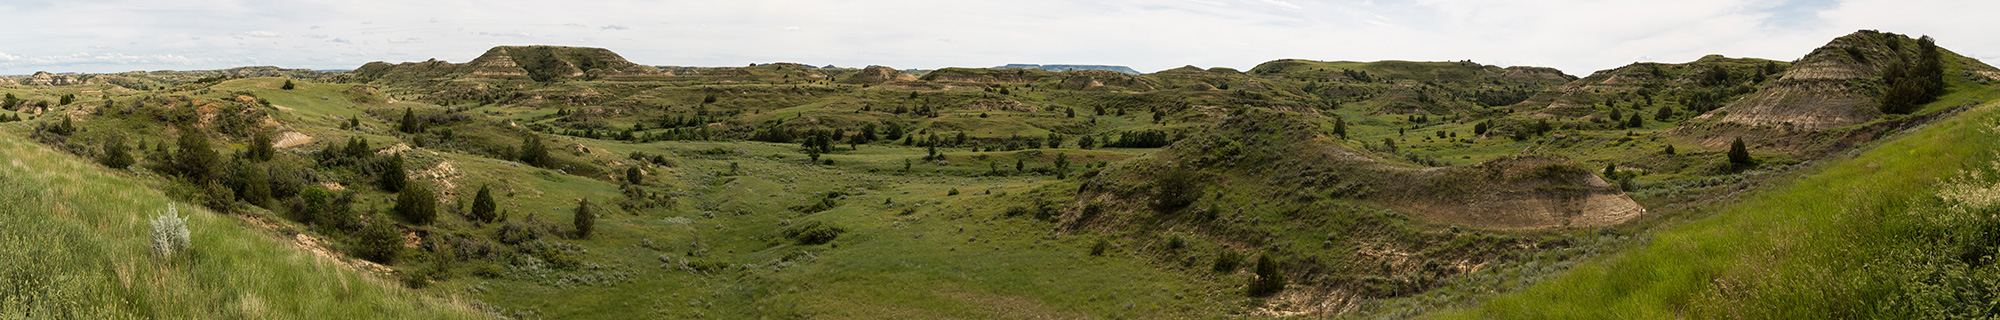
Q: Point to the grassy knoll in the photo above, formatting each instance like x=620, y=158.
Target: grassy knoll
x=77, y=238
x=1858, y=237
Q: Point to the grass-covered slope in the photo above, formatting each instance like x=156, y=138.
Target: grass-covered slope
x=1902, y=230
x=74, y=243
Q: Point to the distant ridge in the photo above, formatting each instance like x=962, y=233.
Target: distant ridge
x=1069, y=67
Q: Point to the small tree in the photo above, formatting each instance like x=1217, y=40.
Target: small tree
x=483, y=207
x=1739, y=155
x=260, y=147
x=633, y=176
x=417, y=205
x=1340, y=128
x=1269, y=279
x=586, y=219
x=532, y=151
x=196, y=161
x=288, y=85
x=393, y=178
x=116, y=154
x=378, y=242
x=409, y=124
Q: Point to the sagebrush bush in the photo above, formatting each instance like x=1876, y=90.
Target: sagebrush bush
x=1228, y=261
x=378, y=242
x=813, y=232
x=170, y=233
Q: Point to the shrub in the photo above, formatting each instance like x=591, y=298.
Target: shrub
x=170, y=233
x=1097, y=249
x=515, y=233
x=1228, y=261
x=483, y=207
x=393, y=177
x=1269, y=279
x=378, y=242
x=586, y=219
x=1739, y=155
x=417, y=205
x=813, y=233
x=288, y=85
x=116, y=154
x=1174, y=190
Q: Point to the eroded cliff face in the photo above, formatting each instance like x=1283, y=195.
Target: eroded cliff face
x=878, y=75
x=1836, y=85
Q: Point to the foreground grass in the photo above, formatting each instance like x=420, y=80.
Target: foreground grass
x=74, y=244
x=1858, y=238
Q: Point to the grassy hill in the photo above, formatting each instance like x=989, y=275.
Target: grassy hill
x=1298, y=188
x=78, y=241
x=1895, y=231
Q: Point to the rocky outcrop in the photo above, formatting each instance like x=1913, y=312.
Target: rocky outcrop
x=1834, y=86
x=878, y=75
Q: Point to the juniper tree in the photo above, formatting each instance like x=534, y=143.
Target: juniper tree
x=483, y=206
x=417, y=204
x=1739, y=154
x=585, y=220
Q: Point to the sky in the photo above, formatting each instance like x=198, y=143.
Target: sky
x=1576, y=36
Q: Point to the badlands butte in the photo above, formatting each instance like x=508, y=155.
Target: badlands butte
x=563, y=182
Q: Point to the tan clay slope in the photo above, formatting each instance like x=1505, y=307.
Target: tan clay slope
x=1626, y=84
x=1834, y=86
x=878, y=75
x=1279, y=150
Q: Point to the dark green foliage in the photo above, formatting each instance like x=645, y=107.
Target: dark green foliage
x=10, y=102
x=256, y=188
x=196, y=161
x=116, y=154
x=1739, y=155
x=633, y=176
x=1910, y=84
x=409, y=124
x=1175, y=189
x=1269, y=279
x=483, y=207
x=378, y=242
x=393, y=178
x=1340, y=128
x=417, y=204
x=1664, y=114
x=516, y=233
x=1634, y=121
x=1097, y=249
x=1227, y=262
x=585, y=220
x=260, y=147
x=534, y=153
x=1142, y=139
x=218, y=196
x=953, y=192
x=813, y=233
x=288, y=85
x=66, y=99
x=1670, y=149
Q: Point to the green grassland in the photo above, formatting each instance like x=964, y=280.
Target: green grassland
x=712, y=201
x=77, y=247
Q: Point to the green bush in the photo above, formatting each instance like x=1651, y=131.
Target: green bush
x=813, y=233
x=1097, y=249
x=585, y=220
x=483, y=207
x=378, y=242
x=417, y=204
x=1269, y=279
x=1228, y=261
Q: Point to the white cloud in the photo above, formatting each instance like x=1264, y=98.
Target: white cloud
x=262, y=34
x=1578, y=36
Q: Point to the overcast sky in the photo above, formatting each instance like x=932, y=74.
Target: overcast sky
x=1577, y=36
